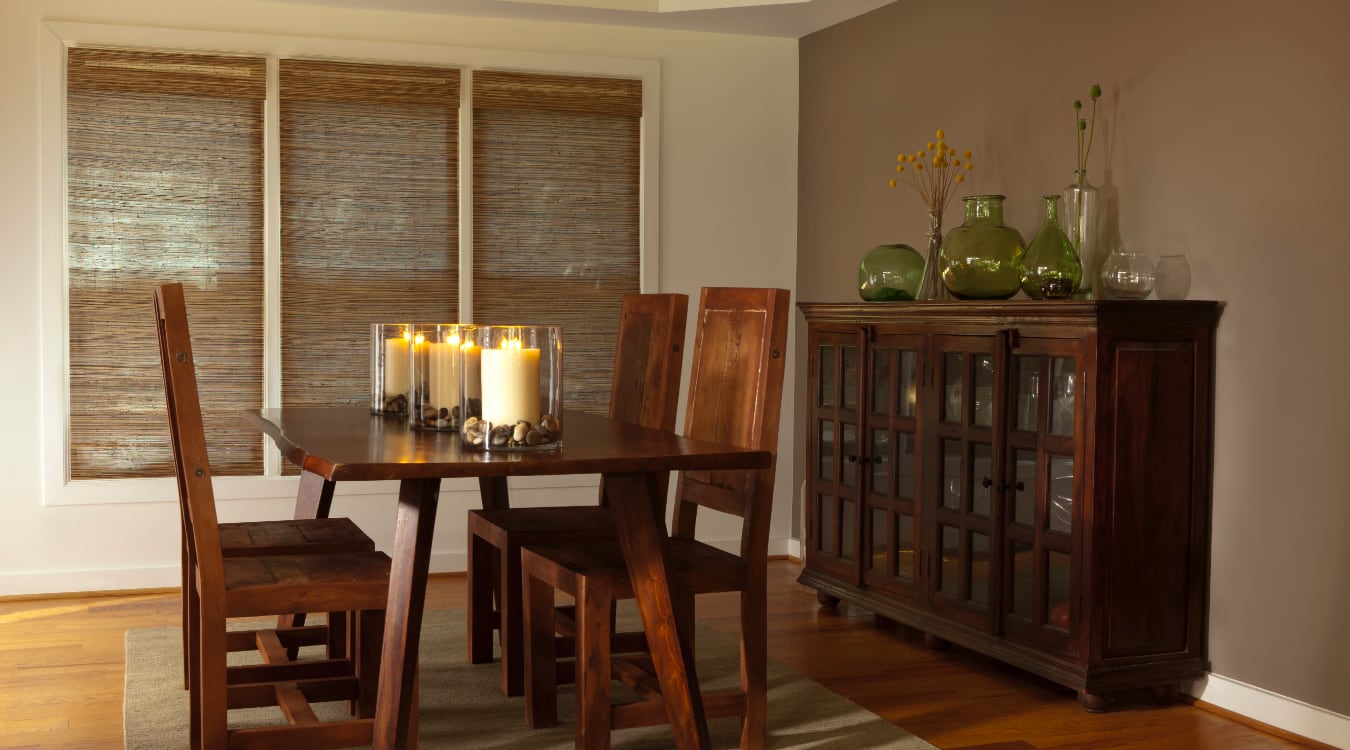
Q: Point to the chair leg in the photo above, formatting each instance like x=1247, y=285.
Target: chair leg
x=369, y=641
x=480, y=612
x=511, y=625
x=540, y=662
x=754, y=665
x=211, y=693
x=593, y=674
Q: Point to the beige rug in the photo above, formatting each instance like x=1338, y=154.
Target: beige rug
x=462, y=705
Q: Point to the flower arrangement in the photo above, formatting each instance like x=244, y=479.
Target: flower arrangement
x=934, y=172
x=1088, y=127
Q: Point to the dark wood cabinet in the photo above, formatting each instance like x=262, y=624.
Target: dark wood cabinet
x=1030, y=480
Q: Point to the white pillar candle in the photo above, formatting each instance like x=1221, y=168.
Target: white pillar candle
x=510, y=384
x=396, y=367
x=443, y=373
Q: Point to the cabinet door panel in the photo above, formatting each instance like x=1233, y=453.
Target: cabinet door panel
x=835, y=454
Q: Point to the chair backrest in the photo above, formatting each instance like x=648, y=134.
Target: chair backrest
x=647, y=361
x=196, y=499
x=735, y=396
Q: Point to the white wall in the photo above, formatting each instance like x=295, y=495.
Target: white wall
x=727, y=212
x=1224, y=122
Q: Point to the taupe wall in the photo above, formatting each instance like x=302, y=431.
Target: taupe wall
x=1224, y=122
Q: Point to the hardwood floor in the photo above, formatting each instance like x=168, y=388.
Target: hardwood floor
x=61, y=676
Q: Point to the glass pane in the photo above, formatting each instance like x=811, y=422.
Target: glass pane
x=1061, y=494
x=984, y=390
x=825, y=443
x=825, y=512
x=880, y=453
x=881, y=381
x=905, y=554
x=1062, y=398
x=979, y=569
x=951, y=474
x=848, y=529
x=906, y=460
x=881, y=541
x=849, y=372
x=1057, y=599
x=826, y=358
x=980, y=495
x=951, y=550
x=909, y=387
x=850, y=452
x=951, y=407
x=1028, y=392
x=1023, y=584
x=1024, y=499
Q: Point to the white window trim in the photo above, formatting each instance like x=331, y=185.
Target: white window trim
x=57, y=488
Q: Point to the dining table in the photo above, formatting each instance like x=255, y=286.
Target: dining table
x=350, y=444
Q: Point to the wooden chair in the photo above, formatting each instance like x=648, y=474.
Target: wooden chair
x=735, y=395
x=644, y=390
x=245, y=586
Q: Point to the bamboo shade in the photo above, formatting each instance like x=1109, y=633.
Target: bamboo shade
x=164, y=183
x=556, y=214
x=369, y=216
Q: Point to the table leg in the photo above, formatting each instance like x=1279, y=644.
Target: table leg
x=396, y=705
x=313, y=500
x=641, y=528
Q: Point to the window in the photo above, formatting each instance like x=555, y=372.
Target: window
x=166, y=182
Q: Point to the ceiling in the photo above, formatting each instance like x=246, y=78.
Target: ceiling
x=783, y=18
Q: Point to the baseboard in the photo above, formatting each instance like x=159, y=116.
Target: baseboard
x=1271, y=711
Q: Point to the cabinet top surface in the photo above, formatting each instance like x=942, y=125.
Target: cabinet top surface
x=1065, y=312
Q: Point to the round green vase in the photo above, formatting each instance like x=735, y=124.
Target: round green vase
x=1050, y=267
x=982, y=258
x=889, y=273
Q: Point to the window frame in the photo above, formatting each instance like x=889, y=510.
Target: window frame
x=57, y=487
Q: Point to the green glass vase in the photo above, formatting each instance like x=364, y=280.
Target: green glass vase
x=1050, y=268
x=889, y=273
x=982, y=258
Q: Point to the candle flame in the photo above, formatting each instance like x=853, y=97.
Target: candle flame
x=419, y=340
x=454, y=339
x=511, y=344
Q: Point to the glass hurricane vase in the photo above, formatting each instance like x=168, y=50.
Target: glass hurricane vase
x=1050, y=267
x=932, y=287
x=982, y=258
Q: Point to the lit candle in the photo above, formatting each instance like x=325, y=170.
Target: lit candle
x=443, y=373
x=510, y=382
x=396, y=377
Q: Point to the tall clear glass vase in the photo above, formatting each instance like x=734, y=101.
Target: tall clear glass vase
x=1082, y=223
x=932, y=287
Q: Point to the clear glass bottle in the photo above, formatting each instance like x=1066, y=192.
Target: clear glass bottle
x=982, y=258
x=932, y=287
x=1050, y=267
x=890, y=273
x=1082, y=218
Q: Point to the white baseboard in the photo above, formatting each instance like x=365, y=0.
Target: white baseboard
x=1276, y=710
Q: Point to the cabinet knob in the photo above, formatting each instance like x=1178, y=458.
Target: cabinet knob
x=986, y=483
x=851, y=459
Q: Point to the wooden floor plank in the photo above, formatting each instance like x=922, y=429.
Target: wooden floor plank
x=61, y=677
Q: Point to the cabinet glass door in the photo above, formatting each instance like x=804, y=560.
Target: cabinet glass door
x=836, y=453
x=1041, y=514
x=960, y=527
x=894, y=364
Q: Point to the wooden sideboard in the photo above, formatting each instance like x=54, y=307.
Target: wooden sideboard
x=1029, y=480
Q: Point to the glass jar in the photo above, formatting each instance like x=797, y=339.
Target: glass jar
x=981, y=259
x=436, y=355
x=889, y=273
x=1127, y=275
x=1082, y=212
x=390, y=360
x=1173, y=274
x=511, y=388
x=1050, y=267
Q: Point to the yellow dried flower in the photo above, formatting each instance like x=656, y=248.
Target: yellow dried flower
x=893, y=181
x=939, y=134
x=956, y=162
x=901, y=157
x=900, y=167
x=942, y=145
x=931, y=146
x=969, y=166
x=919, y=153
x=918, y=167
x=959, y=178
x=966, y=154
x=911, y=158
x=936, y=184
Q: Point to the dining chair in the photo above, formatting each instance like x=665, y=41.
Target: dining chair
x=735, y=395
x=644, y=390
x=254, y=585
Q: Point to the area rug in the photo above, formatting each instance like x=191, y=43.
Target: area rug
x=462, y=705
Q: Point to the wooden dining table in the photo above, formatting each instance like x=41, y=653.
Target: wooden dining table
x=349, y=444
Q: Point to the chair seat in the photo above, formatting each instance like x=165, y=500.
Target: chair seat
x=532, y=525
x=313, y=536
x=306, y=583
x=694, y=566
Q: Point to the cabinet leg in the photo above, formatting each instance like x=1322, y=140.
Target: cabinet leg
x=1092, y=702
x=827, y=600
x=935, y=643
x=1166, y=695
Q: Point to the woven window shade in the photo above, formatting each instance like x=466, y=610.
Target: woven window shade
x=556, y=214
x=369, y=216
x=164, y=183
